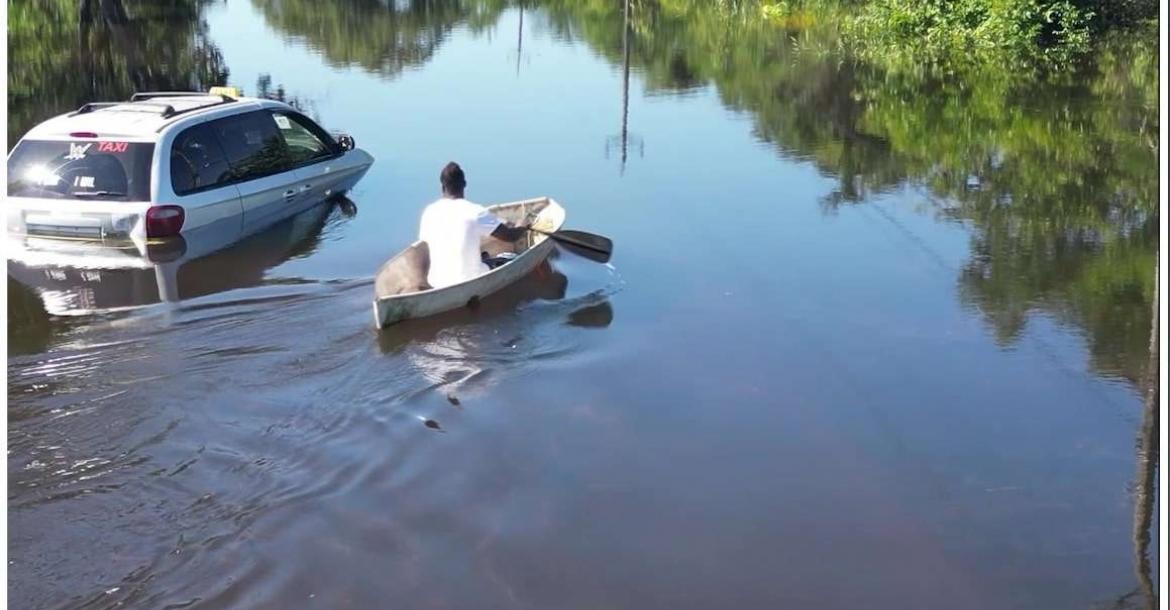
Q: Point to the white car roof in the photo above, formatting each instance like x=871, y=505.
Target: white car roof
x=144, y=120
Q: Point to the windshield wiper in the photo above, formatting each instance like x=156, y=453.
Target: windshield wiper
x=98, y=194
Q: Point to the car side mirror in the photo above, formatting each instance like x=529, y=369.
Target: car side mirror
x=345, y=141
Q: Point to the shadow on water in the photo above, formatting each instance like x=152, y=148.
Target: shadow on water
x=599, y=315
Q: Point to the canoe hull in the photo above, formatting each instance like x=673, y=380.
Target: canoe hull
x=392, y=309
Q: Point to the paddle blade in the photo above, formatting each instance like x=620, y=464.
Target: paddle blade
x=588, y=245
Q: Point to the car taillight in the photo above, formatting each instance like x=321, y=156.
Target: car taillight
x=164, y=220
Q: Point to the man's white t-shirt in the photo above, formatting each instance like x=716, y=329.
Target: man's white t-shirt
x=453, y=229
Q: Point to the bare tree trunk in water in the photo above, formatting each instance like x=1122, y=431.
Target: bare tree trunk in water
x=1147, y=461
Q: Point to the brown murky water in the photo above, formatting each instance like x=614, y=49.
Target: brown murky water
x=864, y=342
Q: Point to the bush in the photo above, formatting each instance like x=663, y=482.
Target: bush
x=1054, y=31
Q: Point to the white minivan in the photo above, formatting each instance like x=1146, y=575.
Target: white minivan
x=166, y=164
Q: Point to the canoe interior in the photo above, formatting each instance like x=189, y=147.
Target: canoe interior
x=519, y=212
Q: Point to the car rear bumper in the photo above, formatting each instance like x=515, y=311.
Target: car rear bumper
x=42, y=251
x=100, y=221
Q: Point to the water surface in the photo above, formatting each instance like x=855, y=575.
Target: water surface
x=870, y=337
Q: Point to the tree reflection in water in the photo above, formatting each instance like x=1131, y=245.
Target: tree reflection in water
x=59, y=60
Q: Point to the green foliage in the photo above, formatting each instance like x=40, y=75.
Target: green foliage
x=1052, y=32
x=1024, y=34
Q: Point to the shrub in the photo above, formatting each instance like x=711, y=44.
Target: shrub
x=1053, y=31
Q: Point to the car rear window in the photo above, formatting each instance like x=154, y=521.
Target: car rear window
x=89, y=169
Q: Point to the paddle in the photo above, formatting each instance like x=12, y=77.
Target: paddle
x=588, y=245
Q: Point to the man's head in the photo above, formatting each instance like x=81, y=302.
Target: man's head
x=452, y=180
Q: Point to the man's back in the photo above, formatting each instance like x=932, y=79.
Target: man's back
x=453, y=229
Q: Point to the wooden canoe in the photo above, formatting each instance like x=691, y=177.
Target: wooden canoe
x=400, y=290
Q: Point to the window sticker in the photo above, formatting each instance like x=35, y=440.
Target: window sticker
x=282, y=121
x=77, y=151
x=113, y=147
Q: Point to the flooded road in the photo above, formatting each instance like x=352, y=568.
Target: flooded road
x=867, y=340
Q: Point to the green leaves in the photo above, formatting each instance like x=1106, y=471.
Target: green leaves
x=1049, y=34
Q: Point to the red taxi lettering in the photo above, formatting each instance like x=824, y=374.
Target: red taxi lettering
x=113, y=147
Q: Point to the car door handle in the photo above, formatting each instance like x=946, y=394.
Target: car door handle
x=289, y=194
x=307, y=187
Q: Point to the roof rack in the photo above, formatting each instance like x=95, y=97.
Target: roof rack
x=166, y=110
x=174, y=113
x=93, y=106
x=146, y=95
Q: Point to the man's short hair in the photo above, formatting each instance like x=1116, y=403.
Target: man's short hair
x=452, y=178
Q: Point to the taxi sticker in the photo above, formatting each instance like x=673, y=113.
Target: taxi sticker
x=113, y=147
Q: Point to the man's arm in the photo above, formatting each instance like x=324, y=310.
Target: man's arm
x=508, y=232
x=495, y=226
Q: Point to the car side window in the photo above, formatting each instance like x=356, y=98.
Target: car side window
x=306, y=142
x=197, y=161
x=253, y=144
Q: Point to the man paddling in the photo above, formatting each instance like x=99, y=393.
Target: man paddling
x=453, y=228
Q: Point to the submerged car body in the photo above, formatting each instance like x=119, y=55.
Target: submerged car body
x=164, y=165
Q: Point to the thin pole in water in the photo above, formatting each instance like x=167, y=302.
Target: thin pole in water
x=625, y=81
x=519, y=40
